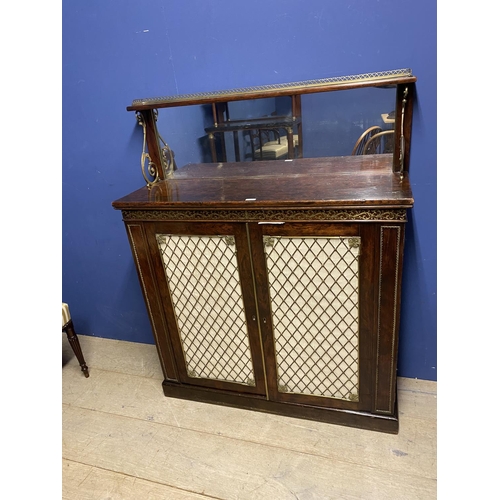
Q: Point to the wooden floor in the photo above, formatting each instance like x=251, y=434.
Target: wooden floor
x=123, y=439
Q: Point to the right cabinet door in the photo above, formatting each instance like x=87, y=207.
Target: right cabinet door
x=316, y=291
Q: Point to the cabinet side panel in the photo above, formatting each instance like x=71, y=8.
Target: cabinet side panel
x=140, y=252
x=391, y=244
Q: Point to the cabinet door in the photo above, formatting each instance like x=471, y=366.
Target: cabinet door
x=310, y=284
x=204, y=275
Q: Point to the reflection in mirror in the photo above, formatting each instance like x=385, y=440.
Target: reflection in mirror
x=334, y=122
x=340, y=123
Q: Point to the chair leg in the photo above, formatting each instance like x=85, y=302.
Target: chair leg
x=75, y=344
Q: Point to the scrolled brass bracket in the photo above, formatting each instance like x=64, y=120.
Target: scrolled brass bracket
x=167, y=155
x=150, y=172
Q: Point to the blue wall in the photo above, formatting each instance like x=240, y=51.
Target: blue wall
x=115, y=51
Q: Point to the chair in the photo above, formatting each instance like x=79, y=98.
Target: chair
x=382, y=142
x=275, y=150
x=364, y=138
x=67, y=326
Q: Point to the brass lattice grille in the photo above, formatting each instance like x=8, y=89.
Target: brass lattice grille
x=204, y=284
x=314, y=299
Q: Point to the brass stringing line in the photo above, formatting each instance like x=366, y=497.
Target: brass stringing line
x=402, y=137
x=152, y=170
x=378, y=312
x=394, y=312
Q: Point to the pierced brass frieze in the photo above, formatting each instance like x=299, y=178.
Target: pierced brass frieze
x=398, y=214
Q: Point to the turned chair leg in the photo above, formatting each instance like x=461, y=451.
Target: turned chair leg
x=75, y=344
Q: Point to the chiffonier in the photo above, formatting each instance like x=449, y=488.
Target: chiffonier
x=268, y=240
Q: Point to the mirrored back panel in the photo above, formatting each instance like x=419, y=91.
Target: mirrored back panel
x=342, y=116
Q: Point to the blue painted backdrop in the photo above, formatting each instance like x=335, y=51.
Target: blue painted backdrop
x=115, y=51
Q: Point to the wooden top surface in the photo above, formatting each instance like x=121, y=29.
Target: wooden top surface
x=345, y=181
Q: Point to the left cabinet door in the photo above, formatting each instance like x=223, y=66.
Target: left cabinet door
x=205, y=281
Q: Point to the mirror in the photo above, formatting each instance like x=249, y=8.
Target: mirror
x=326, y=124
x=338, y=117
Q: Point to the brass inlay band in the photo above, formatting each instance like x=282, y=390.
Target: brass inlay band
x=397, y=214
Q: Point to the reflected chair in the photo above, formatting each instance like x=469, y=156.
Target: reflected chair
x=275, y=150
x=67, y=326
x=364, y=138
x=381, y=142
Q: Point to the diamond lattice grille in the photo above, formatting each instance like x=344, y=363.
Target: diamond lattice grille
x=314, y=299
x=204, y=284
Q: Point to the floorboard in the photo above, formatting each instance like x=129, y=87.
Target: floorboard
x=122, y=438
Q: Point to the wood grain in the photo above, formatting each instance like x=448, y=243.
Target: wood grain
x=143, y=399
x=84, y=482
x=118, y=425
x=222, y=467
x=347, y=181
